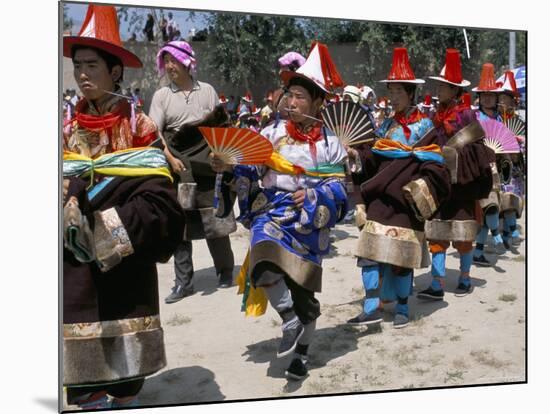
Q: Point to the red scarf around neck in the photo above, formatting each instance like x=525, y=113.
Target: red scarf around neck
x=104, y=122
x=311, y=136
x=445, y=117
x=404, y=120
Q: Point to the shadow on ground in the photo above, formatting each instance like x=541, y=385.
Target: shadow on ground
x=205, y=281
x=185, y=385
x=328, y=344
x=422, y=281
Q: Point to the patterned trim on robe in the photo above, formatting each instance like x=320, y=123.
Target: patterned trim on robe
x=419, y=196
x=106, y=329
x=116, y=230
x=511, y=201
x=451, y=230
x=398, y=246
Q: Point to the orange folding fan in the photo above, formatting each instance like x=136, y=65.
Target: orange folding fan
x=238, y=145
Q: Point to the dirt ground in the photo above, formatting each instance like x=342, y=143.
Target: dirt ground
x=215, y=353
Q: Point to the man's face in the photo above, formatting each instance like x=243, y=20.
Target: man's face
x=176, y=71
x=299, y=101
x=488, y=100
x=92, y=74
x=446, y=92
x=399, y=97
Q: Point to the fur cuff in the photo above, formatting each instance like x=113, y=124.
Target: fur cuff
x=111, y=239
x=451, y=161
x=360, y=215
x=420, y=199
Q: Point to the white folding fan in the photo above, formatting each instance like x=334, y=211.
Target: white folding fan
x=516, y=125
x=349, y=121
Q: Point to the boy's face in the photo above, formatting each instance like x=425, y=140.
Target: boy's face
x=92, y=74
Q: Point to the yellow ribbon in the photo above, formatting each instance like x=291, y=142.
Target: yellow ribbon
x=256, y=302
x=280, y=164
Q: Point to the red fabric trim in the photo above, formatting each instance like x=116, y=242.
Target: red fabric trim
x=145, y=140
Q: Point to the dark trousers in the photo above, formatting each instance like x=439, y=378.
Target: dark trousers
x=220, y=250
x=120, y=390
x=305, y=305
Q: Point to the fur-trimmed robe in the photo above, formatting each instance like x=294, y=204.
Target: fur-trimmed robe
x=111, y=323
x=468, y=160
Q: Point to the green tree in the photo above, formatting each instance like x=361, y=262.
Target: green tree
x=67, y=22
x=243, y=49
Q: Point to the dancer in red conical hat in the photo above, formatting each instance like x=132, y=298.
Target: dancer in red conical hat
x=121, y=216
x=513, y=171
x=468, y=162
x=391, y=242
x=488, y=91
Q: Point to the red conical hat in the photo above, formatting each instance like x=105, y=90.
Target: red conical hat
x=318, y=68
x=247, y=97
x=509, y=84
x=452, y=71
x=427, y=101
x=100, y=30
x=487, y=81
x=223, y=99
x=401, y=70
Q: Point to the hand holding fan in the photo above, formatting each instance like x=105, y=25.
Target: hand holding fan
x=349, y=121
x=237, y=145
x=499, y=138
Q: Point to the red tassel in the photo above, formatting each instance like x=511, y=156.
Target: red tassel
x=330, y=73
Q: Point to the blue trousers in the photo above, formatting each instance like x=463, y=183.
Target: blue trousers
x=510, y=225
x=438, y=266
x=490, y=223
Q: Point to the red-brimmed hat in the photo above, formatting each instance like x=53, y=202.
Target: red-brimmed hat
x=487, y=81
x=509, y=85
x=401, y=70
x=452, y=70
x=318, y=68
x=100, y=30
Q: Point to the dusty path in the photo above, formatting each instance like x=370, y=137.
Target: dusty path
x=214, y=353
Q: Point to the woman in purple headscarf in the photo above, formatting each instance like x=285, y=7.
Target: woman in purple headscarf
x=178, y=109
